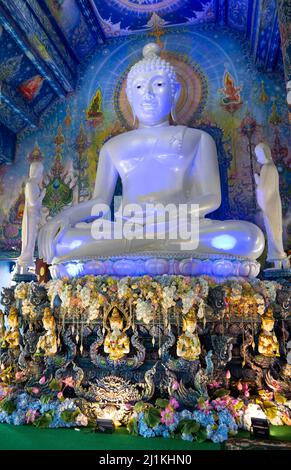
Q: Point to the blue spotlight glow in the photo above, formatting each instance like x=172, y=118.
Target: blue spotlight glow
x=74, y=269
x=223, y=242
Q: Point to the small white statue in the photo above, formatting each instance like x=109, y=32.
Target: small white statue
x=268, y=197
x=31, y=217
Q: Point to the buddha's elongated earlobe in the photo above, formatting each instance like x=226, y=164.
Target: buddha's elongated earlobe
x=134, y=119
x=173, y=114
x=176, y=98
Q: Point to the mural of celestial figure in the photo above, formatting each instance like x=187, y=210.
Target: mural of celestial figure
x=158, y=164
x=31, y=217
x=269, y=200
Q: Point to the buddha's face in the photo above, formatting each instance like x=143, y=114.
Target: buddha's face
x=267, y=324
x=189, y=325
x=13, y=320
x=151, y=97
x=48, y=321
x=116, y=324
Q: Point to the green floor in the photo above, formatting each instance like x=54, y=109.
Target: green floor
x=28, y=437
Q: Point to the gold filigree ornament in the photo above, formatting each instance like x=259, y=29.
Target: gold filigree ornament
x=115, y=312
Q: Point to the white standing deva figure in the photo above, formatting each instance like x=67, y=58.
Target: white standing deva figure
x=31, y=217
x=269, y=200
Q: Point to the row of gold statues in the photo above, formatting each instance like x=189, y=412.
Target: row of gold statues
x=10, y=338
x=117, y=342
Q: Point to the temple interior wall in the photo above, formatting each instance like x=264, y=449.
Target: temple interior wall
x=73, y=131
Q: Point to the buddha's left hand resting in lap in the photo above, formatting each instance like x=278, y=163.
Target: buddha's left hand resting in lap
x=157, y=163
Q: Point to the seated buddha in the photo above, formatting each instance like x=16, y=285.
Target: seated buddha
x=48, y=343
x=268, y=343
x=12, y=335
x=188, y=344
x=158, y=163
x=116, y=342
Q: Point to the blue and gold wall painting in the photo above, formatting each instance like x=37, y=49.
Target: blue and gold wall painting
x=222, y=89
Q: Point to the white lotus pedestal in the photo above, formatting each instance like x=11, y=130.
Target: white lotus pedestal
x=155, y=264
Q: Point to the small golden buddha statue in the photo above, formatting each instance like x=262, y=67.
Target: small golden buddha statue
x=116, y=343
x=188, y=344
x=268, y=343
x=12, y=336
x=48, y=342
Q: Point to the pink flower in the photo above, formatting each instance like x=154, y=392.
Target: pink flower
x=167, y=416
x=19, y=375
x=3, y=392
x=60, y=395
x=214, y=384
x=175, y=385
x=42, y=380
x=239, y=386
x=69, y=382
x=31, y=416
x=174, y=403
x=246, y=391
x=35, y=390
x=204, y=405
x=227, y=375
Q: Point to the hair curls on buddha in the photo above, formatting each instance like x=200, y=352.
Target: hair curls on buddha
x=152, y=62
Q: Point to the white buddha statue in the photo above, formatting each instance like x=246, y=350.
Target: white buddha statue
x=269, y=200
x=157, y=163
x=31, y=216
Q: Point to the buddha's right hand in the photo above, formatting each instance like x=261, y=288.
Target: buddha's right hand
x=49, y=234
x=52, y=231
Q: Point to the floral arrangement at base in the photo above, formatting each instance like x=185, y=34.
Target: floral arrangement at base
x=210, y=420
x=41, y=413
x=216, y=418
x=53, y=359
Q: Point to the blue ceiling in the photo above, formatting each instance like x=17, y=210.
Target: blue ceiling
x=43, y=42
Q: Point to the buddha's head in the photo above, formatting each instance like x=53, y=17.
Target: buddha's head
x=190, y=322
x=13, y=318
x=263, y=153
x=268, y=321
x=48, y=319
x=115, y=320
x=152, y=88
